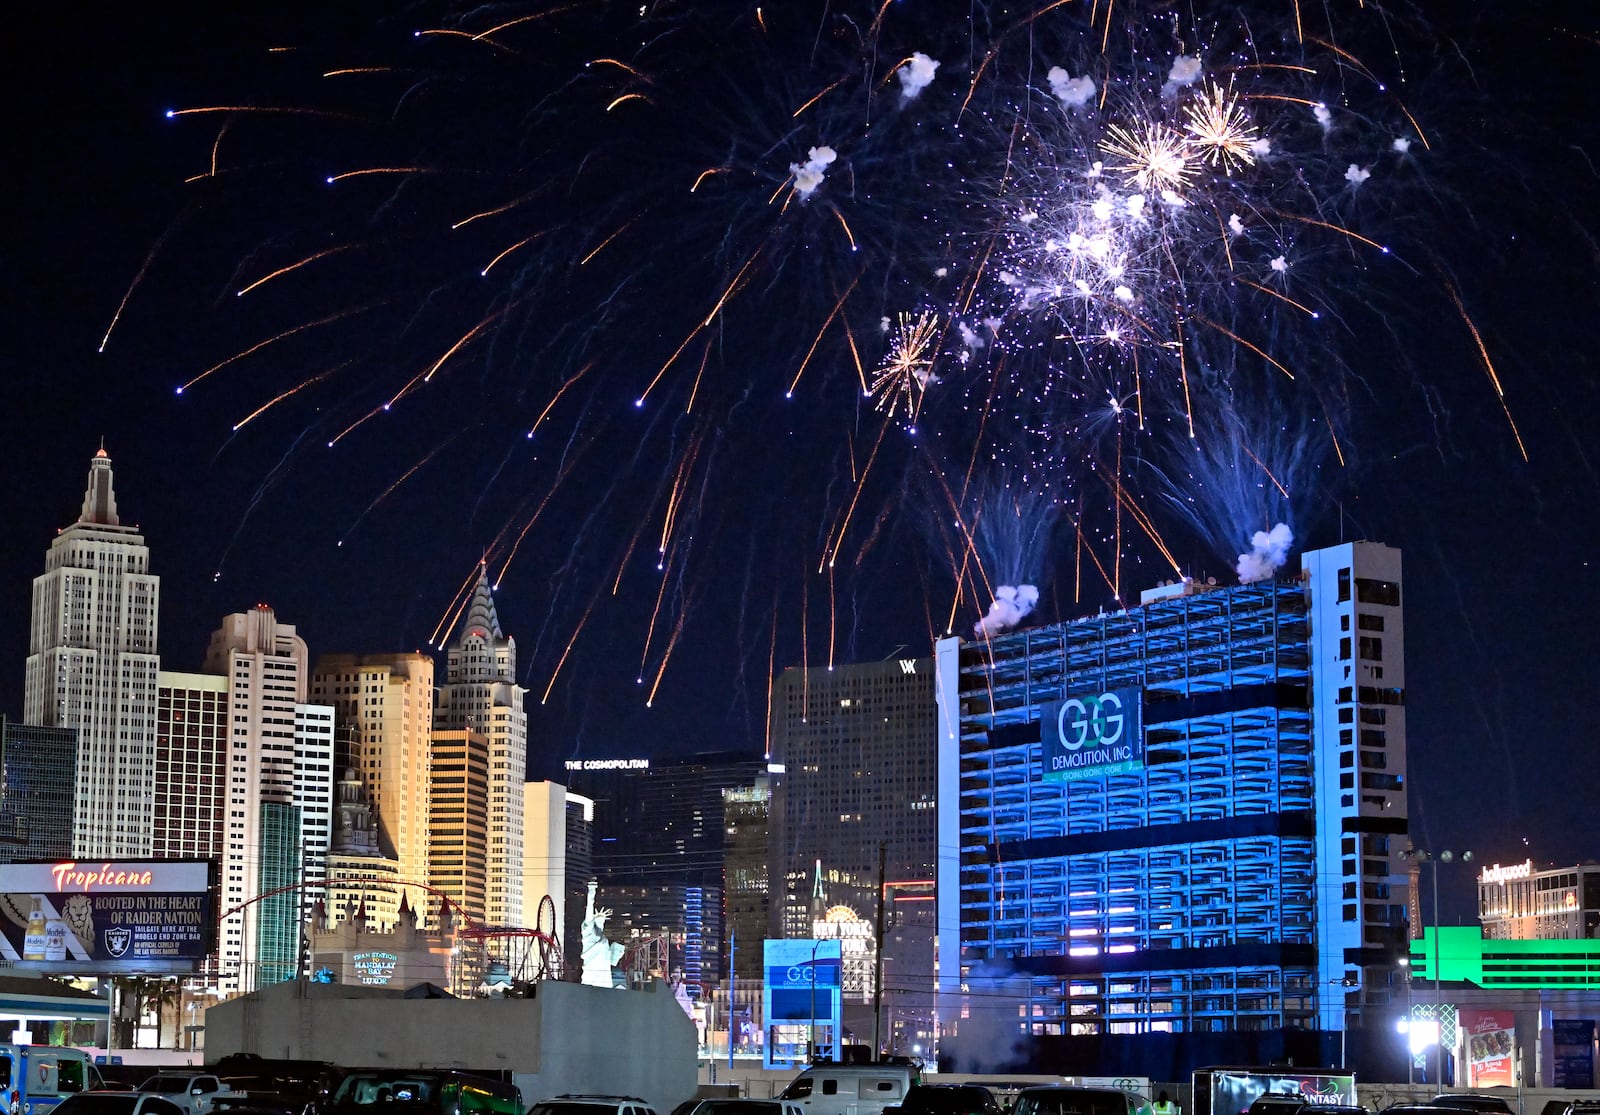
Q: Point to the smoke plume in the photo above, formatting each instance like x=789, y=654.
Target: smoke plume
x=808, y=175
x=916, y=75
x=1011, y=605
x=1072, y=92
x=1269, y=549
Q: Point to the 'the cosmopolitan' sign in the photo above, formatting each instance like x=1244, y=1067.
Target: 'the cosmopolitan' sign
x=608, y=764
x=1093, y=735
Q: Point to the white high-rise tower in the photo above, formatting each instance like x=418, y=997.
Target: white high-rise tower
x=279, y=797
x=92, y=667
x=480, y=692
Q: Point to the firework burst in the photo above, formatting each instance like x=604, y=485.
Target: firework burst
x=575, y=231
x=1153, y=156
x=907, y=368
x=1220, y=131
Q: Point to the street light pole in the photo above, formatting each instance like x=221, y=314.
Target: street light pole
x=1435, y=859
x=1411, y=1056
x=811, y=1044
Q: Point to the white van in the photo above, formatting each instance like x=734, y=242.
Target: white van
x=850, y=1089
x=44, y=1075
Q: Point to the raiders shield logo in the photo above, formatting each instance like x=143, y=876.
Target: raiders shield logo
x=118, y=940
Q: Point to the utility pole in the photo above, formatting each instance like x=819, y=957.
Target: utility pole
x=732, y=947
x=877, y=960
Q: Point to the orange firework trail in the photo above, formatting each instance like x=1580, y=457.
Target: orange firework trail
x=623, y=66
x=600, y=247
x=709, y=318
x=366, y=172
x=523, y=243
x=407, y=475
x=496, y=211
x=566, y=652
x=1236, y=339
x=274, y=339
x=1279, y=295
x=1331, y=227
x=830, y=552
x=138, y=276
x=567, y=465
x=290, y=393
x=838, y=307
x=1488, y=366
x=458, y=604
x=560, y=391
x=295, y=266
x=820, y=95
x=257, y=110
x=216, y=149
x=666, y=656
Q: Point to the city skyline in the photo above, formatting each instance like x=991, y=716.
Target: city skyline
x=1501, y=581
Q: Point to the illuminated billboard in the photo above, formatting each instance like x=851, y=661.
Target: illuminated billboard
x=1092, y=735
x=107, y=918
x=801, y=1001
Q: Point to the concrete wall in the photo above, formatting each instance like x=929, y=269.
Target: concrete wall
x=567, y=1038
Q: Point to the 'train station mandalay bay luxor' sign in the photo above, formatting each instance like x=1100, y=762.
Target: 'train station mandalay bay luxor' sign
x=1093, y=735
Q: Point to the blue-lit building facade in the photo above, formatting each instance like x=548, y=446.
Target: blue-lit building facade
x=1180, y=824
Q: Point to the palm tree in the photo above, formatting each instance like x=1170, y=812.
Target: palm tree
x=141, y=993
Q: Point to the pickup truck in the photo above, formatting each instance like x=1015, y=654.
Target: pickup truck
x=192, y=1092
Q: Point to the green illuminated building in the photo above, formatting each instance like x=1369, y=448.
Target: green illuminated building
x=1461, y=954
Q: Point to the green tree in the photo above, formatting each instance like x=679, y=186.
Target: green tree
x=138, y=994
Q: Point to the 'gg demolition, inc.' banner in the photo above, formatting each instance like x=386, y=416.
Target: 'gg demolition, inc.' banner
x=100, y=917
x=1092, y=735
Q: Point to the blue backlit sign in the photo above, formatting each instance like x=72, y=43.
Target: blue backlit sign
x=1093, y=735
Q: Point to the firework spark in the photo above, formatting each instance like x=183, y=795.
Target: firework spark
x=907, y=369
x=1219, y=129
x=1154, y=156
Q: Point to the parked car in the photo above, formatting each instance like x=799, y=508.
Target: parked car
x=735, y=1105
x=422, y=1092
x=1336, y=1109
x=946, y=1099
x=1276, y=1103
x=191, y=1091
x=117, y=1103
x=1468, y=1101
x=1569, y=1107
x=592, y=1105
x=1066, y=1099
x=261, y=1086
x=847, y=1089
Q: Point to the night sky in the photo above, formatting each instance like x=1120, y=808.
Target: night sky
x=1502, y=608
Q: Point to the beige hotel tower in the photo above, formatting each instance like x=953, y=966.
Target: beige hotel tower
x=480, y=693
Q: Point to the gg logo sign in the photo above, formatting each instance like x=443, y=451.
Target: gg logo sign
x=1092, y=735
x=1095, y=720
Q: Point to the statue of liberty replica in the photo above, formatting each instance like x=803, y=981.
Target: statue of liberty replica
x=600, y=956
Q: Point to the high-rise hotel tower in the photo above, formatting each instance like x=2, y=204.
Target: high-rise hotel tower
x=480, y=694
x=92, y=667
